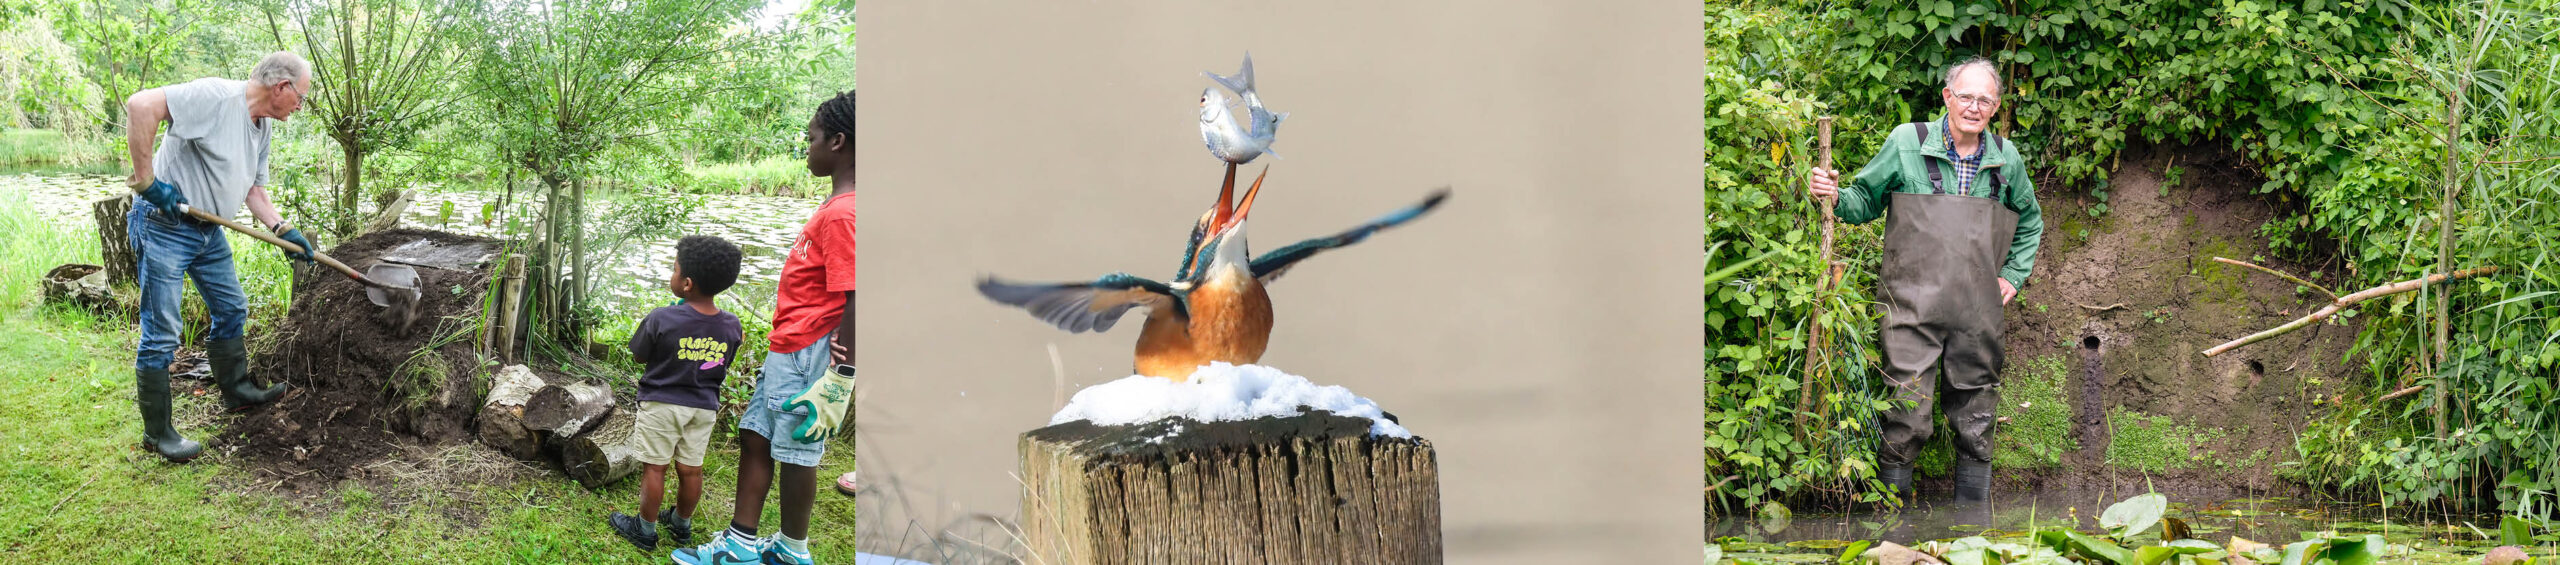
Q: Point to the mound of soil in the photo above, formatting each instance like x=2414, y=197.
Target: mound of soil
x=2129, y=307
x=364, y=389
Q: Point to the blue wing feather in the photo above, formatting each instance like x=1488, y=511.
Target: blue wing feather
x=1269, y=266
x=1083, y=307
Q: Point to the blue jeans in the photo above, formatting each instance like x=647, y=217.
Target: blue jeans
x=787, y=375
x=167, y=251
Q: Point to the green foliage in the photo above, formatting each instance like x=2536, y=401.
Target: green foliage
x=1758, y=136
x=2034, y=400
x=2154, y=443
x=22, y=147
x=778, y=176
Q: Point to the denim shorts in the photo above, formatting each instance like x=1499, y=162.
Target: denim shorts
x=787, y=375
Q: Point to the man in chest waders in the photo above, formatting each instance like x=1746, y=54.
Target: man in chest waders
x=1961, y=228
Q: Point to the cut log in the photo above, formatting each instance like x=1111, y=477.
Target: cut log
x=565, y=410
x=390, y=215
x=605, y=454
x=115, y=252
x=501, y=420
x=1313, y=488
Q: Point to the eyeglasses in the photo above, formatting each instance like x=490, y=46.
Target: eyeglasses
x=1976, y=101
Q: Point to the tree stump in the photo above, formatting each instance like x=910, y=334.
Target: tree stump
x=1313, y=488
x=605, y=454
x=501, y=420
x=565, y=410
x=115, y=251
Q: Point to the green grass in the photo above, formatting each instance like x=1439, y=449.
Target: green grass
x=2038, y=432
x=82, y=490
x=777, y=176
x=25, y=147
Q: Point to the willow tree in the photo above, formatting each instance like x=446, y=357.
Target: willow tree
x=125, y=45
x=385, y=69
x=563, y=82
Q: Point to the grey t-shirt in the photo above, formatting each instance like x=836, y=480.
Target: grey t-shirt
x=213, y=151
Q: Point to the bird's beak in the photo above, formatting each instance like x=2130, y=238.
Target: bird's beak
x=1226, y=195
x=1245, y=205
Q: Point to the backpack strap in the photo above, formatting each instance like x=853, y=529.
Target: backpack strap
x=1936, y=186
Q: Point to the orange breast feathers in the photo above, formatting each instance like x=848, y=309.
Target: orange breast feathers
x=1229, y=322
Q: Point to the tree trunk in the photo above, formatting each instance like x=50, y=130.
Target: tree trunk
x=607, y=454
x=348, y=189
x=501, y=420
x=1314, y=488
x=566, y=410
x=115, y=250
x=390, y=216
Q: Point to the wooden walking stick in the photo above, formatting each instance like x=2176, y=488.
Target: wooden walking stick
x=1813, y=345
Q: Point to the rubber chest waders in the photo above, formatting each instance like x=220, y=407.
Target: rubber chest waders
x=1942, y=312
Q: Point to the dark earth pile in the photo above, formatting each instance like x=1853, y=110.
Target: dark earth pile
x=363, y=389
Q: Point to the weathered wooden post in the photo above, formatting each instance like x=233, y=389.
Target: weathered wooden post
x=510, y=302
x=1312, y=488
x=115, y=251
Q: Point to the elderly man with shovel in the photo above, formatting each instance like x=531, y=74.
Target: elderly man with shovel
x=214, y=160
x=1961, y=228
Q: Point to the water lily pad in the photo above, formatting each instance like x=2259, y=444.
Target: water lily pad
x=1779, y=557
x=1819, y=544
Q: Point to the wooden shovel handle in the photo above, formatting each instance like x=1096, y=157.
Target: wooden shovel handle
x=280, y=242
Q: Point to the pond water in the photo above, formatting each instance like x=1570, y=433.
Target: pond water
x=761, y=226
x=1813, y=537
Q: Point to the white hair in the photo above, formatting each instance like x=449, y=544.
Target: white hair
x=278, y=67
x=1976, y=61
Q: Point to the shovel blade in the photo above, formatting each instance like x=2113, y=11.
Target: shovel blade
x=392, y=275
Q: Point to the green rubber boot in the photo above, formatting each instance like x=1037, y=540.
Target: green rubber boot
x=151, y=394
x=230, y=359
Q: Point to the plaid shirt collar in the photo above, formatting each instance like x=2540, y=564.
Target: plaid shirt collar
x=1966, y=166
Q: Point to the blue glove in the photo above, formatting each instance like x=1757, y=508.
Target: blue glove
x=295, y=235
x=165, y=196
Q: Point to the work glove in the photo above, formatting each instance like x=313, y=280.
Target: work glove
x=294, y=235
x=165, y=196
x=826, y=400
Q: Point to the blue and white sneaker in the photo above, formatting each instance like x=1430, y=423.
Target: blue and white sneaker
x=776, y=554
x=723, y=549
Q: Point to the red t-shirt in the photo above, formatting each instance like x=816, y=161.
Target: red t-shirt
x=815, y=277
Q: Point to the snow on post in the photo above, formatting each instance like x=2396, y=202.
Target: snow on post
x=1239, y=464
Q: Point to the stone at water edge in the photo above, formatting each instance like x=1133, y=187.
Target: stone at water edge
x=2504, y=555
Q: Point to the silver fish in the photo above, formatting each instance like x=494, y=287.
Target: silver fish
x=1229, y=141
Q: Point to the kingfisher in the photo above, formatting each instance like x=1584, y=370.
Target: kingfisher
x=1216, y=308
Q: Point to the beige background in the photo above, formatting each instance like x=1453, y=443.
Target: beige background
x=1540, y=328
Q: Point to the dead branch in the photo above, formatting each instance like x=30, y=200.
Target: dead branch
x=2349, y=300
x=2400, y=393
x=2281, y=275
x=2115, y=306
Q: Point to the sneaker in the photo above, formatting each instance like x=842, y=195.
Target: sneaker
x=776, y=554
x=678, y=529
x=721, y=550
x=639, y=533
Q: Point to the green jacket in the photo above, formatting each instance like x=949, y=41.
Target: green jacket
x=1898, y=168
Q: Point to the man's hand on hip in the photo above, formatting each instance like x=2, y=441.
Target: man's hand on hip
x=1825, y=183
x=165, y=196
x=2007, y=291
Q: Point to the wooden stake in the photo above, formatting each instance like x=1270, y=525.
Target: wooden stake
x=1814, y=363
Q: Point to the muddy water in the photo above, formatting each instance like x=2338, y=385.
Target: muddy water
x=2267, y=520
x=762, y=226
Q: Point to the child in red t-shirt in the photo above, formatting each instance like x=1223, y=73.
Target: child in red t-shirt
x=803, y=396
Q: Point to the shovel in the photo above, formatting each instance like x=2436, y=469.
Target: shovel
x=389, y=286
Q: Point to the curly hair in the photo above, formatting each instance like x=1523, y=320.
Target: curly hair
x=711, y=262
x=836, y=115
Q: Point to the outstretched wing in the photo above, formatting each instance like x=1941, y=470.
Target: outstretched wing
x=1269, y=266
x=1082, y=307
